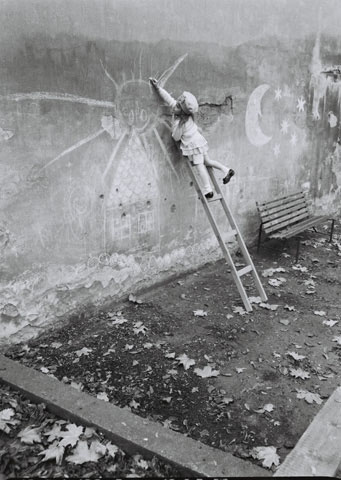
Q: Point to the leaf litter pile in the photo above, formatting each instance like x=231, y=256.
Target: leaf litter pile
x=35, y=443
x=188, y=356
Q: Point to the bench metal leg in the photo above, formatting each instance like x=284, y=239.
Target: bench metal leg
x=331, y=230
x=298, y=248
x=259, y=236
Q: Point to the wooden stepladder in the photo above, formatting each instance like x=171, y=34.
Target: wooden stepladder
x=249, y=268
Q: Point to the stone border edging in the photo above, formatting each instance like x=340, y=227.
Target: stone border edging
x=127, y=430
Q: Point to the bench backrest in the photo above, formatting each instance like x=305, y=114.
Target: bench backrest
x=283, y=212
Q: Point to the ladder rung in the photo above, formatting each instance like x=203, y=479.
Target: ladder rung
x=215, y=198
x=244, y=271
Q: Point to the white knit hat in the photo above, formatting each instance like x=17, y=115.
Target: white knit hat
x=188, y=103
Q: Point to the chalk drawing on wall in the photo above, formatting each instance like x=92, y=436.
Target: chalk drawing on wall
x=300, y=104
x=5, y=134
x=253, y=114
x=332, y=119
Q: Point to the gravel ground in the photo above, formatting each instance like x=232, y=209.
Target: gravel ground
x=187, y=355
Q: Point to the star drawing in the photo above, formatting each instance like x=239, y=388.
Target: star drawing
x=284, y=127
x=293, y=139
x=277, y=150
x=278, y=94
x=300, y=104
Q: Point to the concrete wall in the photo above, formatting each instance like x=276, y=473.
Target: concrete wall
x=95, y=200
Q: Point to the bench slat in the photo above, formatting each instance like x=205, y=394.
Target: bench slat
x=300, y=227
x=284, y=212
x=295, y=205
x=285, y=221
x=280, y=201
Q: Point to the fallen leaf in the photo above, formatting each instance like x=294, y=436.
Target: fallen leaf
x=195, y=389
x=300, y=268
x=54, y=452
x=185, y=361
x=299, y=373
x=284, y=322
x=309, y=397
x=227, y=400
x=134, y=299
x=78, y=386
x=147, y=345
x=84, y=351
x=119, y=321
x=71, y=436
x=229, y=316
x=5, y=420
x=255, y=300
x=268, y=306
x=140, y=462
x=337, y=339
x=206, y=372
x=30, y=435
x=267, y=408
x=83, y=453
x=170, y=355
x=270, y=271
x=320, y=313
x=56, y=345
x=295, y=355
x=240, y=370
x=134, y=404
x=330, y=323
x=267, y=454
x=44, y=370
x=239, y=310
x=200, y=313
x=103, y=396
x=53, y=433
x=139, y=328
x=290, y=308
x=276, y=282
x=112, y=449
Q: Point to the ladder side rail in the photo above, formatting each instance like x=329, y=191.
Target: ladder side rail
x=240, y=239
x=223, y=247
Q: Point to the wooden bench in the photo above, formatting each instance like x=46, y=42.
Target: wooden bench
x=287, y=217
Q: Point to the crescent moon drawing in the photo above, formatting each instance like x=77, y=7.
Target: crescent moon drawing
x=253, y=112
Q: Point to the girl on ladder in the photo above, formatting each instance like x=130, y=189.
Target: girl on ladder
x=193, y=145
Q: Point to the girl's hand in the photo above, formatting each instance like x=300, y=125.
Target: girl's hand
x=154, y=83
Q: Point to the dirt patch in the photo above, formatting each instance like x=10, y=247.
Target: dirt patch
x=259, y=362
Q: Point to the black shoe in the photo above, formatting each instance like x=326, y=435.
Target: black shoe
x=228, y=176
x=209, y=195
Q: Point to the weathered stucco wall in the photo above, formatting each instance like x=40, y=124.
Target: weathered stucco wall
x=95, y=200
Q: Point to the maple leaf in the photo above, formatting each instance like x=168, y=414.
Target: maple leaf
x=5, y=420
x=54, y=452
x=102, y=396
x=72, y=435
x=299, y=373
x=337, y=339
x=320, y=313
x=112, y=449
x=84, y=351
x=134, y=299
x=206, y=372
x=239, y=310
x=255, y=300
x=290, y=308
x=296, y=356
x=134, y=404
x=30, y=435
x=227, y=400
x=139, y=328
x=267, y=454
x=309, y=397
x=53, y=433
x=78, y=386
x=268, y=306
x=185, y=361
x=83, y=453
x=270, y=271
x=267, y=408
x=200, y=313
x=300, y=268
x=240, y=370
x=128, y=347
x=148, y=345
x=330, y=323
x=276, y=282
x=170, y=355
x=140, y=462
x=119, y=321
